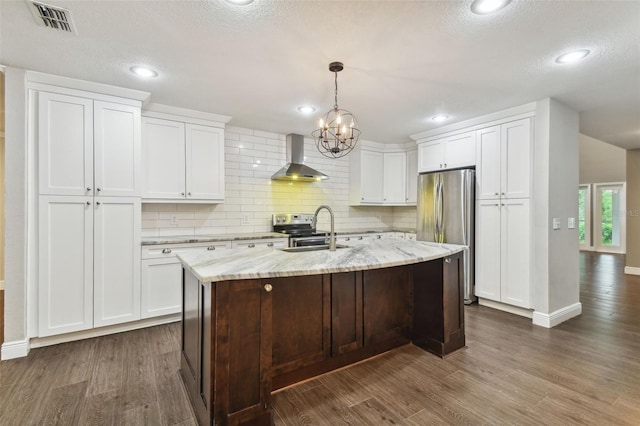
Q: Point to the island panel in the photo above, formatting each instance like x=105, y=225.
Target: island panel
x=346, y=312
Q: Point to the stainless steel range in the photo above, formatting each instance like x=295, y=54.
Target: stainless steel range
x=300, y=228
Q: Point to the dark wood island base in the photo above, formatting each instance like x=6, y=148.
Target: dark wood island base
x=243, y=339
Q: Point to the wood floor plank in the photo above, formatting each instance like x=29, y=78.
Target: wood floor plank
x=107, y=369
x=62, y=406
x=373, y=412
x=172, y=398
x=100, y=409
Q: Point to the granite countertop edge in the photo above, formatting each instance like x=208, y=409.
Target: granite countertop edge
x=270, y=262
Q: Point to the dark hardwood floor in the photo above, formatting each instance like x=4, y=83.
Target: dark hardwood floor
x=585, y=371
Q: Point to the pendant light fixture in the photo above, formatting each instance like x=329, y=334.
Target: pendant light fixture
x=337, y=132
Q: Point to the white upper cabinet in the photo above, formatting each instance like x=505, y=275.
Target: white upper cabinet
x=412, y=176
x=504, y=161
x=163, y=161
x=182, y=161
x=65, y=139
x=378, y=177
x=204, y=162
x=87, y=147
x=116, y=149
x=395, y=177
x=451, y=152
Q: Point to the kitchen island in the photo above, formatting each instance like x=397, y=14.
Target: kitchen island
x=255, y=322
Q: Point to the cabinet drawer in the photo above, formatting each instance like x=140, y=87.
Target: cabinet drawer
x=171, y=250
x=249, y=244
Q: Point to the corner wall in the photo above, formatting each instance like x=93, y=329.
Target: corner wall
x=601, y=162
x=556, y=262
x=633, y=212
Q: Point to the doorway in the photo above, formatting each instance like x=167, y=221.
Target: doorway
x=601, y=217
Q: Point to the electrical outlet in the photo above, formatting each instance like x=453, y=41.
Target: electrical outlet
x=571, y=223
x=245, y=218
x=174, y=220
x=556, y=223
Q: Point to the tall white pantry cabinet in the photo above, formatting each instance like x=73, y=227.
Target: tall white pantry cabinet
x=88, y=149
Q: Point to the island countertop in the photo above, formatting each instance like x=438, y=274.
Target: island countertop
x=271, y=262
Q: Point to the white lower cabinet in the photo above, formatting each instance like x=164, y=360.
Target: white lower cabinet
x=503, y=251
x=89, y=273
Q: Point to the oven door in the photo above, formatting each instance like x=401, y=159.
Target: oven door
x=309, y=241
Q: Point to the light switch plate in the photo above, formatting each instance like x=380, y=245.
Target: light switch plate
x=571, y=223
x=556, y=223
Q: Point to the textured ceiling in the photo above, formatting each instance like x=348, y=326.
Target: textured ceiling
x=405, y=61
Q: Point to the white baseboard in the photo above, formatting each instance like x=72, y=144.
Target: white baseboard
x=631, y=270
x=557, y=317
x=506, y=308
x=15, y=349
x=38, y=342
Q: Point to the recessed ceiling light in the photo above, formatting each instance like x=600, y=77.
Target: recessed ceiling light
x=440, y=118
x=483, y=7
x=143, y=72
x=240, y=2
x=571, y=57
x=306, y=109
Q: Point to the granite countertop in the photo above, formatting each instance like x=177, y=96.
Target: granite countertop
x=183, y=239
x=370, y=231
x=270, y=262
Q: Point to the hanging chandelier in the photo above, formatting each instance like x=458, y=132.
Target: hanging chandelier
x=337, y=132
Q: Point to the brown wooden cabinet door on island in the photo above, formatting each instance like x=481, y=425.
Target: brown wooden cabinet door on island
x=346, y=312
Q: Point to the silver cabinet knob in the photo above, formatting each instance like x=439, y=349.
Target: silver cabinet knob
x=189, y=194
x=88, y=203
x=497, y=204
x=182, y=193
x=269, y=244
x=166, y=251
x=347, y=239
x=268, y=288
x=98, y=189
x=251, y=245
x=97, y=203
x=445, y=164
x=210, y=248
x=447, y=259
x=359, y=238
x=496, y=193
x=379, y=236
x=503, y=193
x=88, y=188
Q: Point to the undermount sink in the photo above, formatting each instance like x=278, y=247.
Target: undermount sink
x=311, y=248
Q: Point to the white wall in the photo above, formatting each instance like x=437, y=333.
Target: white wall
x=556, y=272
x=251, y=192
x=601, y=162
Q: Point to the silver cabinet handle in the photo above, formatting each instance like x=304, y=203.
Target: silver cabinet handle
x=182, y=193
x=88, y=203
x=362, y=199
x=210, y=248
x=251, y=245
x=347, y=239
x=268, y=288
x=98, y=203
x=98, y=189
x=496, y=193
x=497, y=204
x=447, y=259
x=166, y=251
x=269, y=244
x=359, y=238
x=189, y=194
x=503, y=193
x=88, y=188
x=379, y=236
x=445, y=165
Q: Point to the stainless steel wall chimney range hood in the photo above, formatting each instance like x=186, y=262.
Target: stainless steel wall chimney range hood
x=295, y=170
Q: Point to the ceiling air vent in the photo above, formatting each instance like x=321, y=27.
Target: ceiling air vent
x=53, y=17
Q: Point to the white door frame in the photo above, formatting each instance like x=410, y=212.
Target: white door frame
x=597, y=218
x=588, y=242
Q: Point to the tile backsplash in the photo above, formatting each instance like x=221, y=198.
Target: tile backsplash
x=251, y=157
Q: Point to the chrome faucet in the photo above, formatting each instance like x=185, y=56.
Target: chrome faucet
x=332, y=235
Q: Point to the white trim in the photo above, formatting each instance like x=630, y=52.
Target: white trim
x=183, y=114
x=589, y=248
x=488, y=120
x=597, y=218
x=15, y=349
x=89, y=86
x=554, y=318
x=84, y=94
x=516, y=310
x=1, y=284
x=103, y=331
x=632, y=270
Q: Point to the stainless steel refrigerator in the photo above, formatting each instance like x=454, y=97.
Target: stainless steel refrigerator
x=446, y=215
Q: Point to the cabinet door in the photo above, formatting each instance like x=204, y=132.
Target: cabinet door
x=346, y=312
x=395, y=177
x=301, y=330
x=516, y=253
x=431, y=156
x=488, y=181
x=371, y=176
x=160, y=287
x=460, y=151
x=488, y=259
x=163, y=159
x=65, y=288
x=116, y=149
x=65, y=144
x=204, y=162
x=116, y=260
x=388, y=305
x=516, y=159
x=412, y=176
